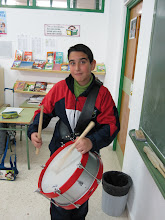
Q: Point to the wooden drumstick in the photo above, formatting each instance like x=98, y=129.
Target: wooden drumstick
x=40, y=127
x=85, y=132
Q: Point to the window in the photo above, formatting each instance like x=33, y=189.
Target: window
x=69, y=5
x=43, y=3
x=14, y=2
x=86, y=4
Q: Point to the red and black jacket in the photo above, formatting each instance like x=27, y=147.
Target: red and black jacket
x=61, y=102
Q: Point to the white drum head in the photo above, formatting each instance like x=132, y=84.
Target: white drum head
x=53, y=179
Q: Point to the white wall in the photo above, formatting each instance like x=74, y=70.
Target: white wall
x=115, y=39
x=93, y=32
x=145, y=200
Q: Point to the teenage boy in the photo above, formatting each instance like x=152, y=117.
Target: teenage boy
x=66, y=100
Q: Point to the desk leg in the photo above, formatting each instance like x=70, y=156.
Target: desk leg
x=21, y=134
x=27, y=147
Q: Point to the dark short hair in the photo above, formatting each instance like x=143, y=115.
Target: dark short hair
x=82, y=48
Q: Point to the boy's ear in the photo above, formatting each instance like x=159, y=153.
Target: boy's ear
x=93, y=64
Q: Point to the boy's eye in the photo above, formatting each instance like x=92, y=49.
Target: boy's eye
x=72, y=63
x=83, y=62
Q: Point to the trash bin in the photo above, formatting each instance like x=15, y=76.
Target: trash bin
x=115, y=190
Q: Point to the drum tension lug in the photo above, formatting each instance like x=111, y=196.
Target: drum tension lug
x=56, y=190
x=59, y=193
x=97, y=154
x=43, y=166
x=39, y=191
x=80, y=166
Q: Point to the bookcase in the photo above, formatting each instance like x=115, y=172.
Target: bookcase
x=44, y=71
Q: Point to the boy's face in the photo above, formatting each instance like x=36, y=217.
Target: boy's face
x=80, y=67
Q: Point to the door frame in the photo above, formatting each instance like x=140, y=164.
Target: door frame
x=129, y=6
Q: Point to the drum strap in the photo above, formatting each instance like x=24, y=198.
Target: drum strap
x=85, y=117
x=88, y=109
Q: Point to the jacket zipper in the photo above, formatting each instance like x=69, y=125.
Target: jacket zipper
x=75, y=107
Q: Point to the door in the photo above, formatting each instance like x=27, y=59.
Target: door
x=132, y=44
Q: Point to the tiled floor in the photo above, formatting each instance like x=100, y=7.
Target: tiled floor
x=18, y=199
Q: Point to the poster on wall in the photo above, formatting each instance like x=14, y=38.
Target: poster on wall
x=3, y=28
x=62, y=30
x=132, y=31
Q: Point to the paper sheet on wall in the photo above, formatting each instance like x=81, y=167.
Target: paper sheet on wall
x=50, y=45
x=36, y=45
x=23, y=42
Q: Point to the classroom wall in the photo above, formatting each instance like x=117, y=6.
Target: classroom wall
x=145, y=200
x=114, y=49
x=93, y=32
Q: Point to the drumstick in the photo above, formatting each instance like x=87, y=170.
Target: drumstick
x=40, y=127
x=85, y=132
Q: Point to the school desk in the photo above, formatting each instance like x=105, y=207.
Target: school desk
x=24, y=121
x=26, y=105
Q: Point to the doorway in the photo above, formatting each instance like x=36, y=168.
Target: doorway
x=127, y=74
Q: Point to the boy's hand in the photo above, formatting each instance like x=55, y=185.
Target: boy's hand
x=35, y=140
x=83, y=145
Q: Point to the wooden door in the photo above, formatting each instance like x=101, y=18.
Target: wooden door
x=132, y=43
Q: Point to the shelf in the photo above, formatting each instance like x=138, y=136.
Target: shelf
x=51, y=71
x=158, y=178
x=29, y=92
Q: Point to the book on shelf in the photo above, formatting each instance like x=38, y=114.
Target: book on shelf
x=58, y=57
x=64, y=67
x=26, y=64
x=100, y=67
x=35, y=99
x=18, y=55
x=50, y=57
x=49, y=87
x=56, y=66
x=38, y=64
x=68, y=67
x=19, y=86
x=28, y=56
x=48, y=66
x=40, y=86
x=29, y=86
x=16, y=63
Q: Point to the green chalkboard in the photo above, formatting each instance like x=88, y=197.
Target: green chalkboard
x=153, y=109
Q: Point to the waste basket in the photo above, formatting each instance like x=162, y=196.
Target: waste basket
x=115, y=190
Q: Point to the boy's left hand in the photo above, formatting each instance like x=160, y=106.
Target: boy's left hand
x=83, y=145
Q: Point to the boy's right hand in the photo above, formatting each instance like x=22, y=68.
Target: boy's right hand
x=35, y=140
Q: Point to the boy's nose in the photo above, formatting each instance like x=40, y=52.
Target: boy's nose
x=77, y=66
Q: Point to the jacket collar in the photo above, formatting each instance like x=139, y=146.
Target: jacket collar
x=70, y=83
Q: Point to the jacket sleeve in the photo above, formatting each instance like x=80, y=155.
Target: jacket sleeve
x=107, y=121
x=48, y=113
x=34, y=126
